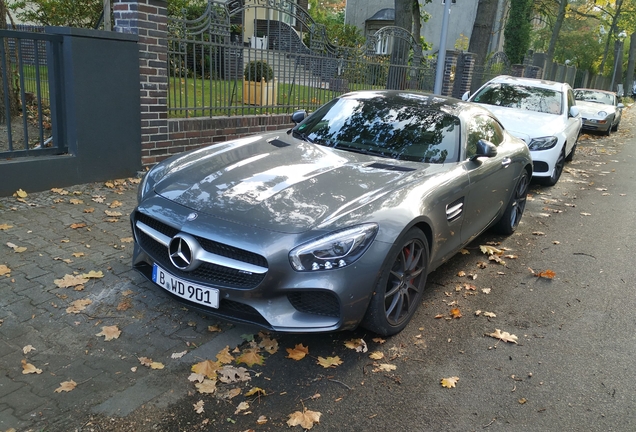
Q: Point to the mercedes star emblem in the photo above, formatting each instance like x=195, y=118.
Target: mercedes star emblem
x=181, y=250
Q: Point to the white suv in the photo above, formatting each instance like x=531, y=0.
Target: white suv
x=542, y=113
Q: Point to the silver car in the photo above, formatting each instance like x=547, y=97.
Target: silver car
x=601, y=110
x=335, y=223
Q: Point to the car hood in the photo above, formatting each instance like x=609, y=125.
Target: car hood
x=527, y=124
x=589, y=109
x=278, y=183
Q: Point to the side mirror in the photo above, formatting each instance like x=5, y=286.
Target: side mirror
x=465, y=96
x=485, y=149
x=620, y=105
x=299, y=116
x=574, y=111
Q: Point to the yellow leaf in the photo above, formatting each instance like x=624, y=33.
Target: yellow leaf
x=251, y=357
x=28, y=368
x=224, y=356
x=78, y=225
x=504, y=336
x=78, y=305
x=109, y=332
x=305, y=419
x=255, y=390
x=208, y=386
x=76, y=201
x=378, y=340
x=464, y=252
x=145, y=361
x=4, y=227
x=461, y=273
x=455, y=313
x=115, y=204
x=214, y=328
x=207, y=368
x=298, y=352
x=490, y=250
x=126, y=240
x=112, y=213
x=449, y=382
x=93, y=274
x=16, y=248
x=490, y=315
x=385, y=367
x=156, y=365
x=357, y=344
x=66, y=386
x=78, y=254
x=329, y=362
x=70, y=281
x=376, y=355
x=89, y=210
x=20, y=193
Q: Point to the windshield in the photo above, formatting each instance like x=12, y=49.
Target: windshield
x=401, y=127
x=521, y=97
x=594, y=96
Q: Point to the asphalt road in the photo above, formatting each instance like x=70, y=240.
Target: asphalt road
x=571, y=369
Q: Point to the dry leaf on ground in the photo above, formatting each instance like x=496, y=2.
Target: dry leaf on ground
x=243, y=406
x=66, y=386
x=329, y=362
x=376, y=355
x=207, y=368
x=305, y=419
x=208, y=386
x=78, y=306
x=255, y=390
x=28, y=368
x=231, y=374
x=449, y=382
x=357, y=344
x=250, y=357
x=385, y=367
x=109, y=332
x=93, y=274
x=16, y=248
x=4, y=270
x=490, y=250
x=198, y=407
x=70, y=281
x=27, y=349
x=269, y=345
x=4, y=227
x=298, y=352
x=504, y=336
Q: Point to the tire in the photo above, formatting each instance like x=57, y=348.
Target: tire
x=571, y=155
x=615, y=127
x=608, y=132
x=399, y=290
x=509, y=221
x=558, y=169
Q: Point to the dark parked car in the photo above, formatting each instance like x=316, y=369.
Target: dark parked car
x=335, y=223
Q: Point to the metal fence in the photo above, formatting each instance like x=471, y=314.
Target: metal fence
x=270, y=57
x=28, y=66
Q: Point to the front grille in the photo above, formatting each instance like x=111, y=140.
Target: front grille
x=315, y=302
x=539, y=166
x=206, y=273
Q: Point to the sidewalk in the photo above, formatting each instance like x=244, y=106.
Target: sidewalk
x=51, y=331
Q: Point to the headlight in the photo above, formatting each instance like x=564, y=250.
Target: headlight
x=149, y=181
x=335, y=250
x=601, y=114
x=543, y=143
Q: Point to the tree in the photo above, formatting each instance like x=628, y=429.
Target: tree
x=400, y=51
x=66, y=13
x=563, y=4
x=482, y=29
x=517, y=30
x=14, y=106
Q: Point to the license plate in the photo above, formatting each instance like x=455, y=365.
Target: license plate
x=187, y=290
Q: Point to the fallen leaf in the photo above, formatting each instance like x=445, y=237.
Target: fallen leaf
x=357, y=344
x=178, y=355
x=482, y=264
x=20, y=194
x=93, y=274
x=376, y=355
x=449, y=382
x=485, y=290
x=16, y=248
x=461, y=273
x=198, y=407
x=115, y=204
x=207, y=367
x=214, y=328
x=504, y=336
x=78, y=305
x=156, y=365
x=27, y=349
x=522, y=401
x=305, y=419
x=28, y=368
x=378, y=340
x=438, y=316
x=490, y=250
x=455, y=313
x=113, y=213
x=538, y=233
x=250, y=357
x=298, y=352
x=78, y=225
x=329, y=362
x=4, y=227
x=261, y=420
x=231, y=374
x=66, y=386
x=224, y=356
x=269, y=345
x=78, y=254
x=125, y=304
x=385, y=367
x=76, y=201
x=196, y=377
x=109, y=332
x=255, y=390
x=208, y=386
x=89, y=210
x=548, y=274
x=490, y=315
x=464, y=252
x=243, y=406
x=586, y=214
x=126, y=240
x=70, y=281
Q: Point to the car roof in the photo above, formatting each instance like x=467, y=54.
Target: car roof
x=446, y=104
x=531, y=82
x=596, y=90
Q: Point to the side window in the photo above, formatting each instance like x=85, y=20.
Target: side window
x=482, y=127
x=571, y=101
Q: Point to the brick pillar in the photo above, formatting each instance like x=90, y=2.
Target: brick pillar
x=148, y=19
x=449, y=73
x=463, y=74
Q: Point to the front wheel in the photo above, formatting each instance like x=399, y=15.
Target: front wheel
x=512, y=216
x=401, y=285
x=556, y=173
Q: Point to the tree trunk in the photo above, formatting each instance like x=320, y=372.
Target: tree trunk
x=482, y=30
x=619, y=5
x=629, y=77
x=417, y=29
x=400, y=52
x=563, y=4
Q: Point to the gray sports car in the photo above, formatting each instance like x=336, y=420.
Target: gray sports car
x=335, y=223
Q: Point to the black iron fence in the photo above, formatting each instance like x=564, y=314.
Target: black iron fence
x=31, y=89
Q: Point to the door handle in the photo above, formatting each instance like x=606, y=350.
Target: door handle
x=505, y=162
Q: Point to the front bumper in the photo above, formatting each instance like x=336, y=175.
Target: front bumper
x=281, y=299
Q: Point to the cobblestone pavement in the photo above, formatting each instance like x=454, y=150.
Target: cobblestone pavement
x=76, y=231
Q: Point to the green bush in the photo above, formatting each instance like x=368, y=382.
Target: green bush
x=257, y=69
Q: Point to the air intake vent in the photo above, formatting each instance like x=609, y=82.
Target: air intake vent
x=388, y=167
x=278, y=143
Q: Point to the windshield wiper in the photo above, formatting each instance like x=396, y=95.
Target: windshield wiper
x=302, y=136
x=364, y=152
